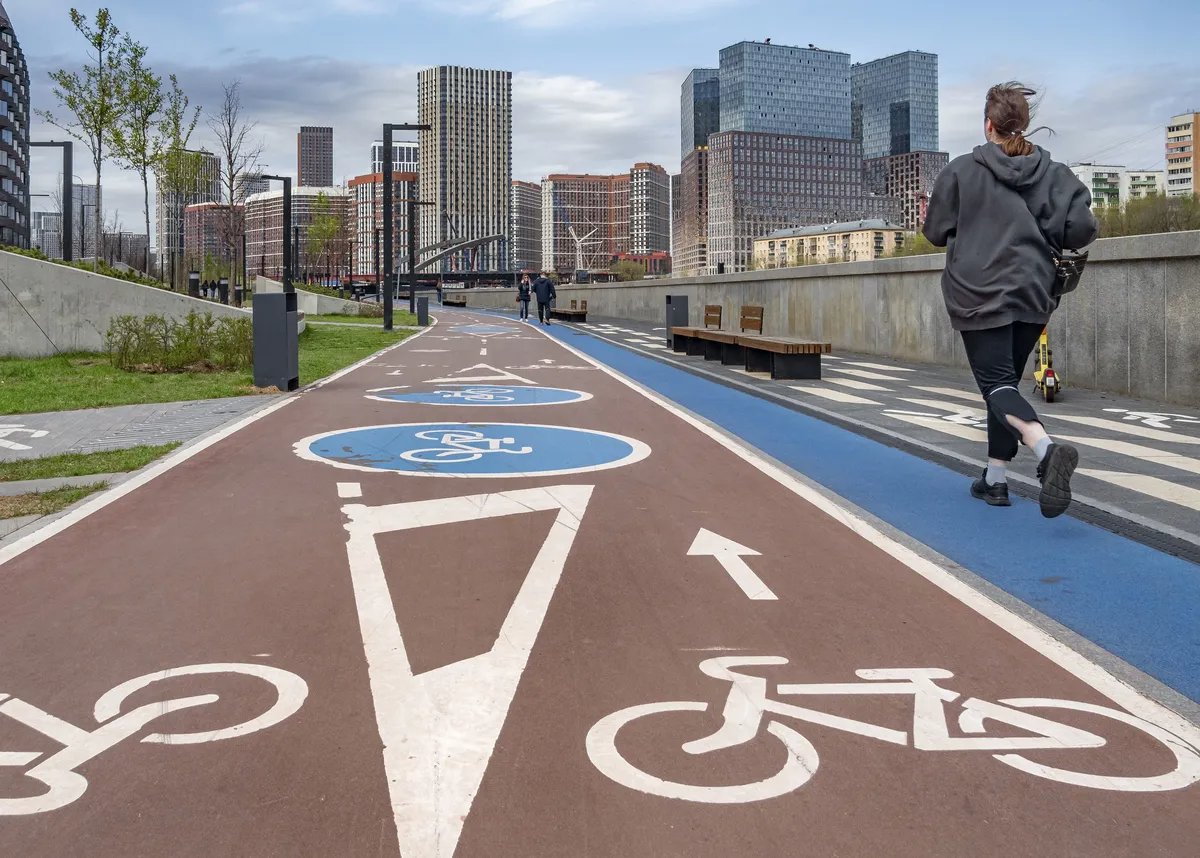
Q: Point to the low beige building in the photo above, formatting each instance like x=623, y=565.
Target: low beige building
x=851, y=241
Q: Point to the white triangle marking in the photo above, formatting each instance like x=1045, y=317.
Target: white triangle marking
x=439, y=729
x=498, y=375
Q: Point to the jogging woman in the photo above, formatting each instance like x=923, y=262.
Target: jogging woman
x=998, y=211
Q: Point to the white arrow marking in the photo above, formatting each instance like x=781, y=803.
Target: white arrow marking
x=498, y=375
x=729, y=554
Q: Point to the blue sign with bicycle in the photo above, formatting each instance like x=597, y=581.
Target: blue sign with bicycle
x=477, y=395
x=481, y=450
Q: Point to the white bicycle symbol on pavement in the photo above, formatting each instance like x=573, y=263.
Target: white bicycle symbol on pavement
x=58, y=771
x=748, y=702
x=460, y=446
x=478, y=394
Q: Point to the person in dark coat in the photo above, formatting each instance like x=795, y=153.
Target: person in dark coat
x=1000, y=211
x=543, y=288
x=524, y=292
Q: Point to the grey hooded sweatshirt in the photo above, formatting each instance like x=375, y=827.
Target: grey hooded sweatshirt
x=998, y=216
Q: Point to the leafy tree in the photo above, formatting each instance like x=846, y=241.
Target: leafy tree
x=177, y=169
x=95, y=96
x=916, y=244
x=323, y=231
x=1154, y=214
x=135, y=143
x=627, y=269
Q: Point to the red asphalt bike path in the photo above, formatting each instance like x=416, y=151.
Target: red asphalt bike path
x=276, y=647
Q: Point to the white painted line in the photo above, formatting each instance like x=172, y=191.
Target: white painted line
x=857, y=385
x=964, y=395
x=483, y=352
x=863, y=373
x=879, y=366
x=943, y=426
x=953, y=408
x=497, y=375
x=1184, y=496
x=835, y=395
x=183, y=454
x=729, y=554
x=439, y=728
x=349, y=491
x=656, y=346
x=1037, y=639
x=1137, y=451
x=385, y=389
x=1126, y=428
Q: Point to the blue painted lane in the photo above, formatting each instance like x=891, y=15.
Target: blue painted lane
x=1136, y=602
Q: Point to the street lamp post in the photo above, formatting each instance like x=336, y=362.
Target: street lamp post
x=389, y=220
x=67, y=201
x=287, y=229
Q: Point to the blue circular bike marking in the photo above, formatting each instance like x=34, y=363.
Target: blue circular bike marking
x=479, y=450
x=486, y=395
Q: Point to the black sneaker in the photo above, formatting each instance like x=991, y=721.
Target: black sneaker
x=1055, y=473
x=996, y=495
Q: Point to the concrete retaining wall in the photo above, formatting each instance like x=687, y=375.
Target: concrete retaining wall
x=1132, y=327
x=74, y=307
x=310, y=303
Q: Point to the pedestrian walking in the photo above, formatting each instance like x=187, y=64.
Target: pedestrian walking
x=543, y=289
x=524, y=291
x=1004, y=212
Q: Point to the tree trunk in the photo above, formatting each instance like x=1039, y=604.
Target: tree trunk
x=146, y=209
x=99, y=219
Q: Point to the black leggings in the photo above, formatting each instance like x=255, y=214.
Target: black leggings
x=998, y=357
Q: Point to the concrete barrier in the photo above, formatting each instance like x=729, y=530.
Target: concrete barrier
x=1132, y=327
x=54, y=306
x=310, y=302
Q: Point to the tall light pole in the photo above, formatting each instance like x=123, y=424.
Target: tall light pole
x=389, y=218
x=287, y=229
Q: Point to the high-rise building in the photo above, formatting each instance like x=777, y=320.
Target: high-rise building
x=895, y=104
x=366, y=200
x=172, y=197
x=1139, y=184
x=1103, y=180
x=760, y=183
x=85, y=208
x=785, y=90
x=314, y=157
x=406, y=157
x=126, y=248
x=248, y=185
x=700, y=107
x=690, y=248
x=466, y=164
x=46, y=233
x=264, y=232
x=649, y=209
x=14, y=134
x=204, y=232
x=526, y=226
x=1182, y=166
x=908, y=178
x=586, y=208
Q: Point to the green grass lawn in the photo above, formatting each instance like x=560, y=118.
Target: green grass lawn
x=399, y=318
x=83, y=464
x=69, y=382
x=45, y=503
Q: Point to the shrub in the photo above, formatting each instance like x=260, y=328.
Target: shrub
x=157, y=344
x=368, y=310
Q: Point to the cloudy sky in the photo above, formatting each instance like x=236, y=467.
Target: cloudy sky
x=596, y=82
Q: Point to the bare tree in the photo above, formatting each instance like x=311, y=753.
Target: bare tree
x=95, y=96
x=240, y=157
x=136, y=145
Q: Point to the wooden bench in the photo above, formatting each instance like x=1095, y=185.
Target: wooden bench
x=726, y=346
x=576, y=313
x=687, y=340
x=784, y=357
x=454, y=300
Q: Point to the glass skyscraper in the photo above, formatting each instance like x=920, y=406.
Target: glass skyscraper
x=700, y=109
x=14, y=138
x=896, y=104
x=778, y=89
